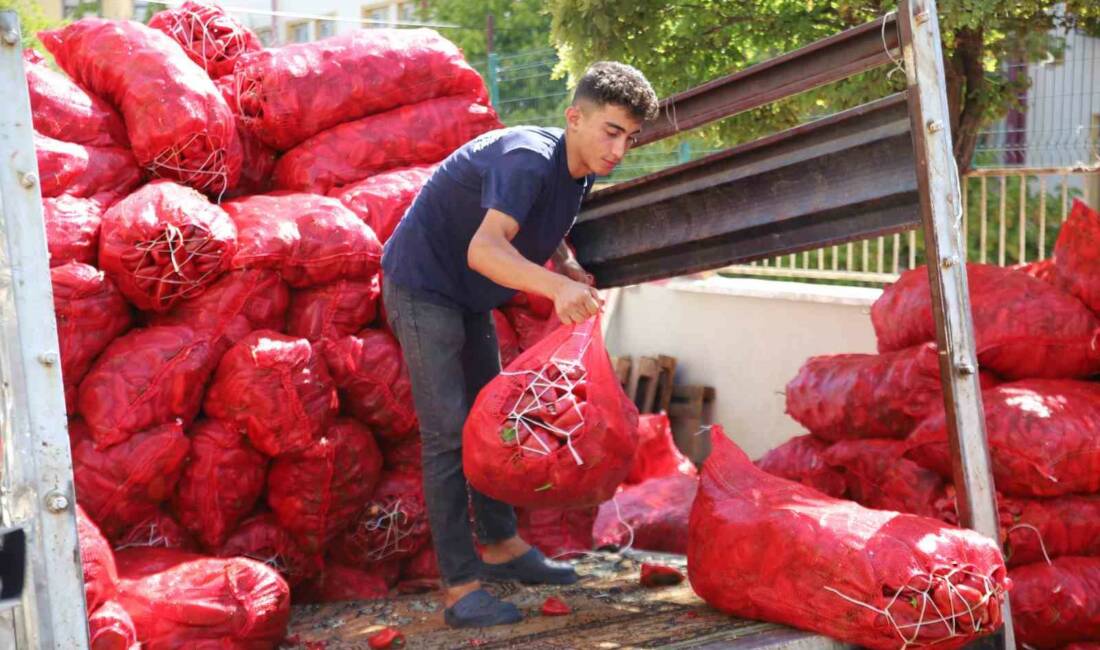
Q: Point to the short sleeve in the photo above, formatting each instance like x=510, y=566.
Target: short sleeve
x=513, y=183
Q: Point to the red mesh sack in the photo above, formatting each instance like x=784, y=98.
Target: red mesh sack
x=290, y=93
x=1035, y=530
x=165, y=243
x=233, y=307
x=72, y=227
x=339, y=582
x=1041, y=435
x=145, y=378
x=802, y=459
x=316, y=493
x=203, y=602
x=263, y=539
x=381, y=200
x=90, y=313
x=159, y=531
x=657, y=453
x=257, y=159
x=506, y=338
x=559, y=534
x=178, y=124
x=275, y=388
x=211, y=38
x=1077, y=254
x=539, y=306
x=1023, y=326
x=422, y=566
x=846, y=396
x=417, y=134
x=313, y=240
x=334, y=310
x=651, y=516
x=220, y=484
x=393, y=526
x=97, y=562
x=1045, y=270
x=1057, y=603
x=83, y=170
x=879, y=476
x=370, y=373
x=530, y=328
x=64, y=111
x=765, y=548
x=123, y=485
x=110, y=628
x=553, y=430
x=403, y=454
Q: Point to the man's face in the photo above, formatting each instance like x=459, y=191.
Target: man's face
x=601, y=134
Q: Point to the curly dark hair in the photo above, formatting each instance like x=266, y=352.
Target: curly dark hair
x=610, y=82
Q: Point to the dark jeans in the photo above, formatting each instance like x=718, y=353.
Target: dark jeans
x=451, y=355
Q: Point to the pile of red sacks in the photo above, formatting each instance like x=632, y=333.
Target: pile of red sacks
x=241, y=419
x=878, y=434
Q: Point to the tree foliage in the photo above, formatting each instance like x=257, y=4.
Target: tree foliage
x=682, y=43
x=31, y=19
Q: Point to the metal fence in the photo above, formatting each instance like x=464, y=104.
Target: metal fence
x=1010, y=216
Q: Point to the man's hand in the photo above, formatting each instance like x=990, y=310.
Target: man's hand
x=572, y=269
x=576, y=302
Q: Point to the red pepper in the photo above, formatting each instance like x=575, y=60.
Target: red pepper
x=656, y=575
x=555, y=607
x=388, y=638
x=569, y=419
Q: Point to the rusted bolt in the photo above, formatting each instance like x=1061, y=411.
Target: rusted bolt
x=47, y=358
x=967, y=368
x=28, y=179
x=921, y=17
x=948, y=262
x=934, y=126
x=57, y=502
x=10, y=37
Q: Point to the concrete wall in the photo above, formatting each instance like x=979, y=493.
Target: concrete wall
x=747, y=338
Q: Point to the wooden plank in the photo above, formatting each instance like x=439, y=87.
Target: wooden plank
x=665, y=378
x=621, y=365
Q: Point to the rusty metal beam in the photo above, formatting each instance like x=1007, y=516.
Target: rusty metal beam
x=841, y=178
x=823, y=62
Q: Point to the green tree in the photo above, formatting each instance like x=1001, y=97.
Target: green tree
x=682, y=43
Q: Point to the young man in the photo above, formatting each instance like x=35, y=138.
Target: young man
x=482, y=228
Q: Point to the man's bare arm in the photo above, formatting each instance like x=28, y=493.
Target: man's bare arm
x=492, y=254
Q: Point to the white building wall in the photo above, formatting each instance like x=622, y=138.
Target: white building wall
x=746, y=338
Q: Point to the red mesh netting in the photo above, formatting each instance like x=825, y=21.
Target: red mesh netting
x=145, y=378
x=1023, y=326
x=178, y=123
x=165, y=243
x=417, y=134
x=221, y=482
x=334, y=310
x=84, y=170
x=65, y=111
x=765, y=548
x=275, y=388
x=211, y=38
x=370, y=373
x=553, y=429
x=316, y=493
x=1041, y=435
x=802, y=459
x=393, y=526
x=289, y=93
x=381, y=200
x=651, y=516
x=123, y=485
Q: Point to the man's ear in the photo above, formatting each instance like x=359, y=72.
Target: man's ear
x=573, y=115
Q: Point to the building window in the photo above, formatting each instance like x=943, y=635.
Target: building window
x=142, y=11
x=326, y=28
x=406, y=12
x=297, y=32
x=266, y=36
x=378, y=15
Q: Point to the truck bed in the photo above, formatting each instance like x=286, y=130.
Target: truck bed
x=610, y=610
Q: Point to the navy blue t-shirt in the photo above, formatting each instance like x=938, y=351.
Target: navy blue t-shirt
x=521, y=171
